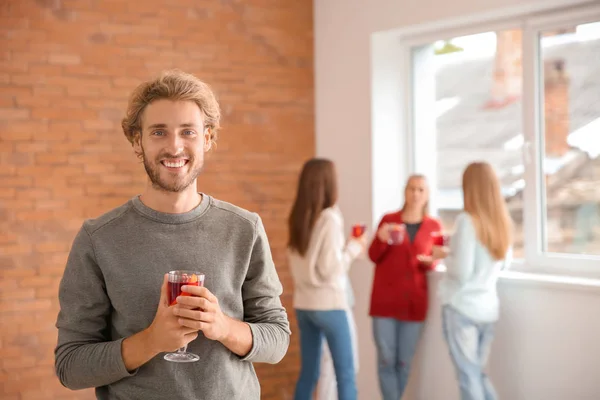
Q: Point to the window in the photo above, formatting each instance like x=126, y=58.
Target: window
x=523, y=95
x=469, y=108
x=570, y=113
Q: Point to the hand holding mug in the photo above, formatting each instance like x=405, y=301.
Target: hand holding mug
x=396, y=233
x=383, y=233
x=359, y=234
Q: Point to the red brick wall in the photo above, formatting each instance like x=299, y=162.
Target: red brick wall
x=66, y=68
x=556, y=107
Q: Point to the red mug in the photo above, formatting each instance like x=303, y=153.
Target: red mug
x=440, y=239
x=396, y=234
x=358, y=230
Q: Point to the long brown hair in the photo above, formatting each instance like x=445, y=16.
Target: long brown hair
x=317, y=190
x=484, y=202
x=425, y=209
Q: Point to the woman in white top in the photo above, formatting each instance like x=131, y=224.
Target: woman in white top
x=319, y=258
x=479, y=249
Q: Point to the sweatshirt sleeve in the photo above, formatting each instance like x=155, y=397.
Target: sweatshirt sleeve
x=263, y=311
x=84, y=355
x=335, y=256
x=460, y=262
x=378, y=248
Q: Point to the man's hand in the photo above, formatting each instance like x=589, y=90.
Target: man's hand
x=201, y=311
x=166, y=333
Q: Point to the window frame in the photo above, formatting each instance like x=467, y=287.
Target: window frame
x=534, y=209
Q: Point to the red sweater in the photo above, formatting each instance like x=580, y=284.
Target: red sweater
x=400, y=282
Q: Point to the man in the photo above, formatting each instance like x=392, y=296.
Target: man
x=115, y=320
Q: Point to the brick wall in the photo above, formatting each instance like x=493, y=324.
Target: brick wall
x=66, y=68
x=556, y=108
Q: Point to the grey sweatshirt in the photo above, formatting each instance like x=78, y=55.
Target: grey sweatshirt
x=111, y=288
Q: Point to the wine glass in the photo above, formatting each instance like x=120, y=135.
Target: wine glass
x=177, y=279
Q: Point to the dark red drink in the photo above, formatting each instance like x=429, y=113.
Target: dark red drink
x=174, y=289
x=179, y=279
x=358, y=230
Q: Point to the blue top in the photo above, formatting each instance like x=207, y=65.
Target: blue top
x=469, y=285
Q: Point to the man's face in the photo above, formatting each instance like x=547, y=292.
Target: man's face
x=172, y=144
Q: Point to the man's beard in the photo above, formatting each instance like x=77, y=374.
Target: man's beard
x=173, y=185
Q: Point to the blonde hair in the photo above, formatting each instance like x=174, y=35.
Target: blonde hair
x=172, y=85
x=425, y=209
x=484, y=202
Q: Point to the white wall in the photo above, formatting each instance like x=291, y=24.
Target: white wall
x=545, y=347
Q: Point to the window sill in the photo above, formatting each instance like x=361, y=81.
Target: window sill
x=540, y=280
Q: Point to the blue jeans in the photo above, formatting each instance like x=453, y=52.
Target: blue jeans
x=469, y=343
x=327, y=385
x=334, y=327
x=396, y=343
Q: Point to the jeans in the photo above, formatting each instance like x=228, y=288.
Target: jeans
x=396, y=343
x=334, y=327
x=327, y=385
x=469, y=343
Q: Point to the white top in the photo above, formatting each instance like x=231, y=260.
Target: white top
x=469, y=285
x=321, y=275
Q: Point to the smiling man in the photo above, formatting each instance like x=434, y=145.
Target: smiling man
x=115, y=319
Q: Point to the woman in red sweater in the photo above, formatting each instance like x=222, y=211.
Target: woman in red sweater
x=399, y=297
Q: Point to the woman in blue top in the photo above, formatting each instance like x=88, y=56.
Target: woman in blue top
x=479, y=249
